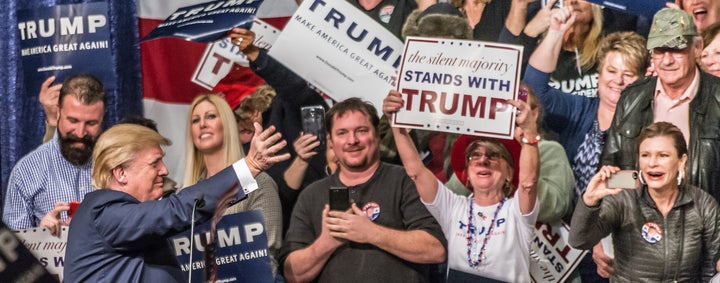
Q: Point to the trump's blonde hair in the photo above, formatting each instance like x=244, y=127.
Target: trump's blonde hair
x=118, y=146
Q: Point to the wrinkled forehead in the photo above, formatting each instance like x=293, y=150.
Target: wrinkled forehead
x=351, y=119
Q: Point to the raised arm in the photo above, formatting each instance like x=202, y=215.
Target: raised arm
x=305, y=147
x=529, y=164
x=245, y=39
x=588, y=227
x=517, y=17
x=546, y=55
x=425, y=181
x=48, y=98
x=288, y=85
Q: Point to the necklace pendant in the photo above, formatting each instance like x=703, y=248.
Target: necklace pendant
x=483, y=258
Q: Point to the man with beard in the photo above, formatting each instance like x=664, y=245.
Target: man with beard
x=386, y=235
x=43, y=182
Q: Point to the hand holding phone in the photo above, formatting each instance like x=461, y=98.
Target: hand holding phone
x=625, y=179
x=313, y=122
x=339, y=198
x=73, y=207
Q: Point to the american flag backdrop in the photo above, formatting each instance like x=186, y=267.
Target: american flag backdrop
x=174, y=71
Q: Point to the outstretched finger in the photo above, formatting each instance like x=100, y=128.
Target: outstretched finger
x=262, y=134
x=271, y=141
x=278, y=158
x=275, y=148
x=46, y=84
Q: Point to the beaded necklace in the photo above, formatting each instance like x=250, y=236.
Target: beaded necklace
x=471, y=231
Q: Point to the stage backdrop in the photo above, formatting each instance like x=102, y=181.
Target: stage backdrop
x=23, y=122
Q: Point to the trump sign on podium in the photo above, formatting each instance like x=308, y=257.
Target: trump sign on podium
x=239, y=254
x=459, y=86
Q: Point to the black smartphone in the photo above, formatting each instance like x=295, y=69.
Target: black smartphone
x=339, y=198
x=313, y=122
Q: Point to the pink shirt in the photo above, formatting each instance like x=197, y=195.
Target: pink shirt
x=676, y=111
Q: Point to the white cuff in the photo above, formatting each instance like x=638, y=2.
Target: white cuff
x=247, y=181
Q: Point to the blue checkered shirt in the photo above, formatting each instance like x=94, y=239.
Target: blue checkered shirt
x=38, y=180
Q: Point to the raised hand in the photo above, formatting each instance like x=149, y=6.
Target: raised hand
x=305, y=146
x=244, y=39
x=597, y=189
x=264, y=146
x=526, y=119
x=541, y=22
x=562, y=19
x=48, y=97
x=392, y=103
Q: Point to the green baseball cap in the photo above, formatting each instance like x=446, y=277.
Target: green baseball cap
x=670, y=28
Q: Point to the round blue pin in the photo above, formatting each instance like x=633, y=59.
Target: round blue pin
x=371, y=210
x=651, y=232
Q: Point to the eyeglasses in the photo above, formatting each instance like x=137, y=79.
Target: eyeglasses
x=660, y=53
x=476, y=157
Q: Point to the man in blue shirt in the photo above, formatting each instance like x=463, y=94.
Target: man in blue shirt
x=43, y=182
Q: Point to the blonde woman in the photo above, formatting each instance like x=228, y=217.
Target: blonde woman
x=577, y=64
x=211, y=144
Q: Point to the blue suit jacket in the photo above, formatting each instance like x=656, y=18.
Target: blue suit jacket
x=114, y=237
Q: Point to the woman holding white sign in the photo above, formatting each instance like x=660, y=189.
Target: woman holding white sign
x=496, y=226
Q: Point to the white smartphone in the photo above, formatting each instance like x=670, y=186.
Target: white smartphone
x=625, y=179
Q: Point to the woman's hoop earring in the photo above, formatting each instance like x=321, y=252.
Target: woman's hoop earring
x=327, y=170
x=640, y=177
x=680, y=176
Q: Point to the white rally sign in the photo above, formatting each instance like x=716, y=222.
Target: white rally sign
x=219, y=56
x=552, y=259
x=48, y=249
x=340, y=50
x=459, y=86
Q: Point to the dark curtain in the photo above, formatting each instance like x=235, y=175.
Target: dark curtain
x=22, y=121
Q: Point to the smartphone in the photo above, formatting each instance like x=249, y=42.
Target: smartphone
x=73, y=207
x=523, y=94
x=313, y=122
x=339, y=198
x=625, y=179
x=558, y=3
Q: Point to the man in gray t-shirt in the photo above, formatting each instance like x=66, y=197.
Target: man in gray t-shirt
x=387, y=235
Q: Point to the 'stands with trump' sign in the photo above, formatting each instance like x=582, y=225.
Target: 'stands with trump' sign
x=459, y=86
